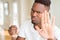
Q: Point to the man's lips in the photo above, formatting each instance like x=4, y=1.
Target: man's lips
x=33, y=18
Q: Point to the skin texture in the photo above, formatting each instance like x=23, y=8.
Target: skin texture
x=41, y=20
x=37, y=11
x=13, y=32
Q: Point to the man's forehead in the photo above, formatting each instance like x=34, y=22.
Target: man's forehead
x=39, y=7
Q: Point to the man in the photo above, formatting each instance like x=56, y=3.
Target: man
x=13, y=31
x=41, y=27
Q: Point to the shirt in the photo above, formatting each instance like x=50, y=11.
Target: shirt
x=28, y=32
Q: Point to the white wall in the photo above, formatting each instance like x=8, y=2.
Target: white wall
x=55, y=10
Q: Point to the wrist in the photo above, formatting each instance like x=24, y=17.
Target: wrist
x=14, y=36
x=51, y=39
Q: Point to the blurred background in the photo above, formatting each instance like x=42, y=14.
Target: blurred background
x=18, y=11
x=14, y=12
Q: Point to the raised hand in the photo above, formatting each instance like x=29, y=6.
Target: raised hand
x=13, y=30
x=47, y=26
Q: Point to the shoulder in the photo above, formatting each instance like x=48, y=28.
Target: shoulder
x=24, y=28
x=26, y=24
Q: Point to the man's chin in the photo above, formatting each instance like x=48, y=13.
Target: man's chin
x=34, y=22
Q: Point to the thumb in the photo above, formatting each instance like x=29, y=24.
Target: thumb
x=53, y=20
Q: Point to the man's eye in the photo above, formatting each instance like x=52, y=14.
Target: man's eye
x=32, y=11
x=38, y=12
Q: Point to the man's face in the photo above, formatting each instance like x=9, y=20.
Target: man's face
x=36, y=12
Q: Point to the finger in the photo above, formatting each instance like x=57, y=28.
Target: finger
x=48, y=18
x=42, y=20
x=45, y=17
x=53, y=20
x=47, y=21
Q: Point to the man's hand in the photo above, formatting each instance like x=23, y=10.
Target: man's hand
x=13, y=30
x=47, y=26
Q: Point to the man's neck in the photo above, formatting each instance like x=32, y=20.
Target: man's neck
x=36, y=25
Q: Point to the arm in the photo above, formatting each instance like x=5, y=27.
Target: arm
x=51, y=39
x=13, y=38
x=20, y=38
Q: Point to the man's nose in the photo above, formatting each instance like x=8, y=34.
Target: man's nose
x=35, y=14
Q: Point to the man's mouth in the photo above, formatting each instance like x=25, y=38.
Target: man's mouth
x=33, y=18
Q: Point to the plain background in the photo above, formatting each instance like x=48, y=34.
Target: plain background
x=55, y=11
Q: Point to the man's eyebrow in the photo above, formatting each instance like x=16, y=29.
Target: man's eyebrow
x=35, y=10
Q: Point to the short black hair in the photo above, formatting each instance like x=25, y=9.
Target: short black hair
x=45, y=2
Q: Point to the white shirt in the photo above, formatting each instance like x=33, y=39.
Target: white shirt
x=28, y=32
